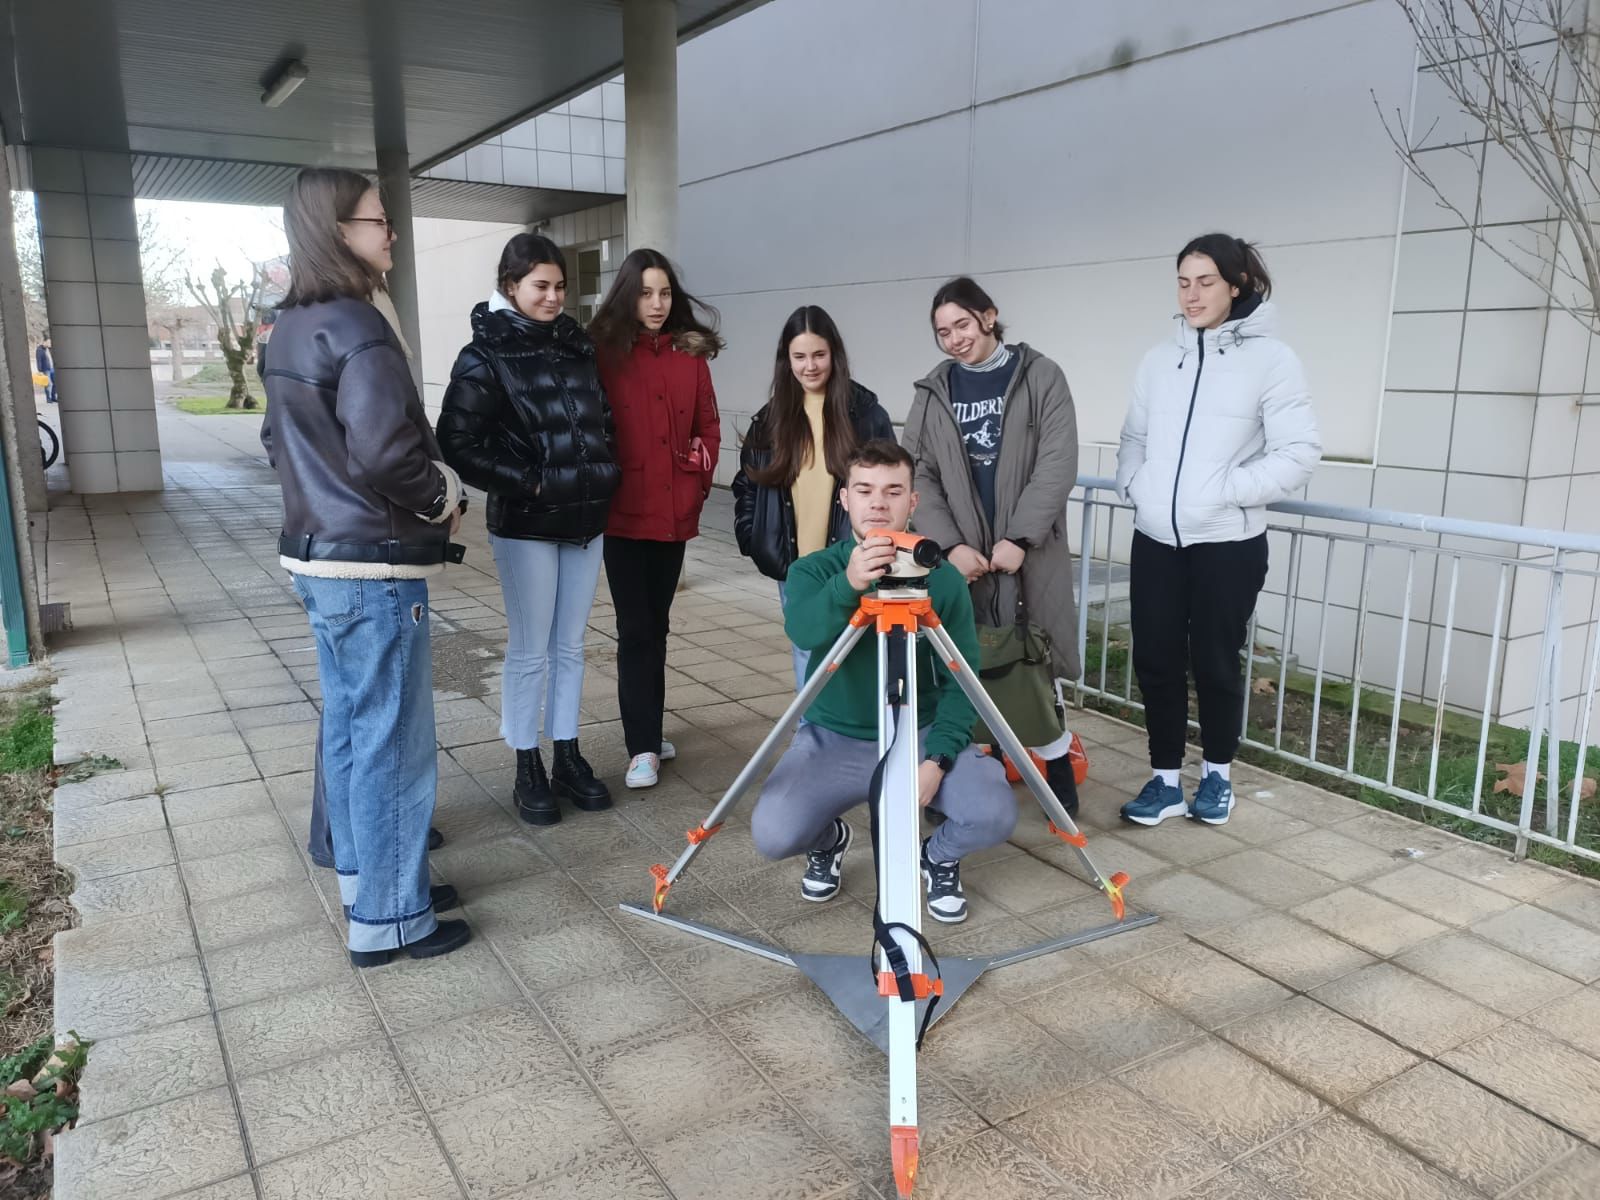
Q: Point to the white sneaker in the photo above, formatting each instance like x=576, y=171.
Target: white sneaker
x=668, y=751
x=643, y=771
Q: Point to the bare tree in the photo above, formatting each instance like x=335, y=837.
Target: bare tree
x=235, y=334
x=1526, y=72
x=30, y=263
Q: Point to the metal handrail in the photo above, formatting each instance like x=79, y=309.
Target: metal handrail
x=1545, y=705
x=1494, y=531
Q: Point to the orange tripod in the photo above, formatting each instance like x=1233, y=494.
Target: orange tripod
x=908, y=989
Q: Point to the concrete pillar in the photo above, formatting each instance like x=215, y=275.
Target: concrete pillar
x=394, y=181
x=94, y=290
x=650, y=75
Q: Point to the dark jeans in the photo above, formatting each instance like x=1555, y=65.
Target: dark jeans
x=1191, y=609
x=643, y=577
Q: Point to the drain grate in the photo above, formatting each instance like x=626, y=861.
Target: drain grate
x=53, y=618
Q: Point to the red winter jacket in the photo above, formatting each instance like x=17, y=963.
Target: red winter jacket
x=661, y=396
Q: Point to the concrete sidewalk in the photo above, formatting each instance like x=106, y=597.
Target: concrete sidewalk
x=1319, y=1014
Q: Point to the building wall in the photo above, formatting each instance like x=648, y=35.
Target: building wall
x=577, y=146
x=855, y=156
x=456, y=263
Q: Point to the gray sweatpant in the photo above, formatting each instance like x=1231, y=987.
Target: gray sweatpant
x=823, y=774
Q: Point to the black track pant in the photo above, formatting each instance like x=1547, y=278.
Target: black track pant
x=643, y=578
x=1191, y=609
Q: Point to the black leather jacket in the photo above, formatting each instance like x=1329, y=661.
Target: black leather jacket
x=526, y=420
x=763, y=517
x=350, y=441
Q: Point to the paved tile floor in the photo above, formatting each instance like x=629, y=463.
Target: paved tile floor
x=1316, y=1015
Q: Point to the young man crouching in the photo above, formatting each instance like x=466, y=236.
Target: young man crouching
x=828, y=768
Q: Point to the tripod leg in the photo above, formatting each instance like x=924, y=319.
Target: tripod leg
x=759, y=761
x=900, y=889
x=1060, y=823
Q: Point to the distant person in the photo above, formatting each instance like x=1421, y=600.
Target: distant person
x=369, y=507
x=525, y=419
x=654, y=347
x=995, y=436
x=45, y=362
x=792, y=464
x=1220, y=426
x=827, y=769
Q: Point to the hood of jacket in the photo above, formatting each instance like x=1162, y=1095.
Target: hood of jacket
x=497, y=322
x=1258, y=320
x=690, y=341
x=938, y=379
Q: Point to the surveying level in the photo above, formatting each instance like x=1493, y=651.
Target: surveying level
x=896, y=1002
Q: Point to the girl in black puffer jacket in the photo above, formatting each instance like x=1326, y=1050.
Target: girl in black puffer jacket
x=792, y=463
x=526, y=420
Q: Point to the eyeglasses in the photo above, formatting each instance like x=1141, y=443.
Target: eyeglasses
x=388, y=225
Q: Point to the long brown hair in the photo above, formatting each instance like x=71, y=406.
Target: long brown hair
x=787, y=430
x=321, y=265
x=616, y=324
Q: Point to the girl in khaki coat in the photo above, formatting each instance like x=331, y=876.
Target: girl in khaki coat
x=995, y=438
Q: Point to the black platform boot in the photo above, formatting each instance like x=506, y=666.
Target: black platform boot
x=575, y=780
x=536, y=803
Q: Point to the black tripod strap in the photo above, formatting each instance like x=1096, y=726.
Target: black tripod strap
x=883, y=931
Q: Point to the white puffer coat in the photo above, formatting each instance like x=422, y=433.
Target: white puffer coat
x=1220, y=426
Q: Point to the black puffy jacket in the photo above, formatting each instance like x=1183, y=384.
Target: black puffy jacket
x=763, y=517
x=350, y=441
x=526, y=420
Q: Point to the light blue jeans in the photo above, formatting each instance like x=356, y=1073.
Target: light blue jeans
x=801, y=657
x=379, y=764
x=549, y=590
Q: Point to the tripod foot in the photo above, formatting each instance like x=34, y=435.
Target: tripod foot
x=903, y=1152
x=1114, y=887
x=659, y=871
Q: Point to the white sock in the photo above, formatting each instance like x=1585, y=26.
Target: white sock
x=1170, y=778
x=1211, y=768
x=1054, y=749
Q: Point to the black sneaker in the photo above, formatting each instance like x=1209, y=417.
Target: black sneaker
x=946, y=901
x=821, y=880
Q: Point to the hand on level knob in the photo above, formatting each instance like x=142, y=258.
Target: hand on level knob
x=868, y=562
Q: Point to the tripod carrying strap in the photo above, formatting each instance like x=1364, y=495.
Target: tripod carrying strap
x=899, y=979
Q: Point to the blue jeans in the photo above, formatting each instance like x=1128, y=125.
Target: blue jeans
x=801, y=657
x=549, y=590
x=379, y=762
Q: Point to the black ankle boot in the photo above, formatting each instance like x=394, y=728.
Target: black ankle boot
x=1059, y=775
x=575, y=780
x=536, y=803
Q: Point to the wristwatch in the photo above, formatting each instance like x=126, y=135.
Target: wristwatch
x=943, y=761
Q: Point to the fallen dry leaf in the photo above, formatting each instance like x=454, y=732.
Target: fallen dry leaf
x=1586, y=789
x=1515, y=777
x=21, y=1089
x=47, y=1146
x=1262, y=686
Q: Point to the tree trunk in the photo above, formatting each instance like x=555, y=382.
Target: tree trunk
x=239, y=394
x=177, y=354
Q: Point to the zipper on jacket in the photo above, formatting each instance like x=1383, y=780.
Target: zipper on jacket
x=1183, y=446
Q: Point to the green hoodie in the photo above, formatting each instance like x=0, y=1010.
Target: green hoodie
x=818, y=605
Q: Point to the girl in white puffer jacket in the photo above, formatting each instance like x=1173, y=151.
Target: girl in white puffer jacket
x=1220, y=426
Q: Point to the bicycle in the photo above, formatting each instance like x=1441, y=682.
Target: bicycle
x=49, y=445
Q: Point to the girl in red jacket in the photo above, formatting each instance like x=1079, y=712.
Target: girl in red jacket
x=653, y=351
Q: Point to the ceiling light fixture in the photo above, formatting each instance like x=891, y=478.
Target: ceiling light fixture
x=283, y=84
